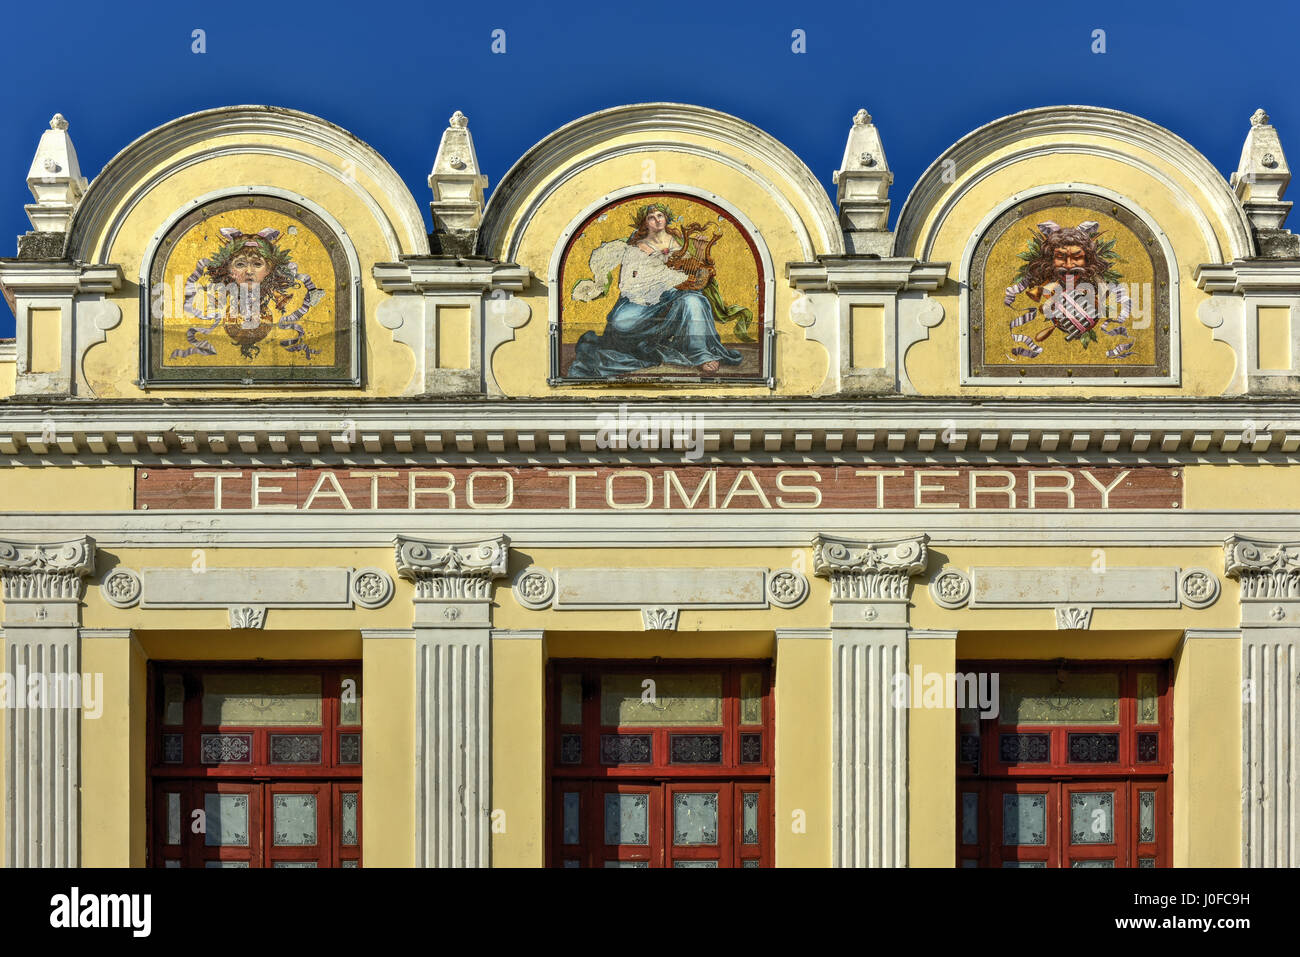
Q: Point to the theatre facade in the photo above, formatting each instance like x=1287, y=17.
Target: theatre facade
x=656, y=509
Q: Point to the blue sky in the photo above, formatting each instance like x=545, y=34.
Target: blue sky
x=393, y=72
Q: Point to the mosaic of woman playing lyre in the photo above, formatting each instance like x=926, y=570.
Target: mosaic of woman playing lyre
x=669, y=304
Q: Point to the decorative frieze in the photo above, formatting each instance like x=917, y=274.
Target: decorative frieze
x=659, y=619
x=869, y=571
x=787, y=588
x=455, y=572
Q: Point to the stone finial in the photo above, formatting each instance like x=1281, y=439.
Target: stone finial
x=1260, y=181
x=863, y=194
x=457, y=185
x=54, y=179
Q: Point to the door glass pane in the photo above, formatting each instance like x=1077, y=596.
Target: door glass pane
x=173, y=818
x=572, y=802
x=681, y=700
x=260, y=700
x=1146, y=862
x=171, y=863
x=1055, y=698
x=751, y=862
x=1092, y=863
x=295, y=749
x=1146, y=816
x=619, y=864
x=349, y=819
x=350, y=700
x=294, y=864
x=1092, y=817
x=226, y=820
x=571, y=700
x=295, y=820
x=749, y=817
x=695, y=863
x=1022, y=864
x=627, y=819
x=1093, y=748
x=219, y=865
x=695, y=818
x=1147, y=699
x=751, y=697
x=173, y=701
x=1024, y=819
x=695, y=748
x=970, y=817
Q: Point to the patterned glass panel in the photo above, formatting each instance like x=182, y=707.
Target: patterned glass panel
x=1146, y=862
x=173, y=701
x=171, y=863
x=173, y=749
x=695, y=818
x=695, y=863
x=295, y=749
x=225, y=820
x=571, y=700
x=350, y=864
x=1094, y=748
x=350, y=700
x=221, y=865
x=570, y=749
x=751, y=747
x=1146, y=816
x=349, y=819
x=1024, y=748
x=572, y=863
x=1024, y=819
x=1148, y=746
x=627, y=818
x=751, y=697
x=226, y=748
x=968, y=718
x=752, y=862
x=681, y=700
x=970, y=749
x=294, y=864
x=173, y=818
x=349, y=749
x=1092, y=817
x=625, y=749
x=970, y=817
x=295, y=820
x=749, y=817
x=968, y=862
x=258, y=700
x=1023, y=864
x=695, y=749
x=1148, y=699
x=617, y=864
x=1090, y=863
x=1044, y=699
x=572, y=804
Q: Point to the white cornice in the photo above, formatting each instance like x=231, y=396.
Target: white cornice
x=657, y=528
x=1067, y=123
x=551, y=159
x=206, y=431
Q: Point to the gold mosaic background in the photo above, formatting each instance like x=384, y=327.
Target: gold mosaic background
x=1134, y=265
x=202, y=241
x=737, y=269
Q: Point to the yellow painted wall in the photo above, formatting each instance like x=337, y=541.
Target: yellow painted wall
x=1207, y=753
x=8, y=377
x=519, y=752
x=112, y=367
x=522, y=366
x=932, y=763
x=803, y=752
x=59, y=488
x=113, y=757
x=1224, y=486
x=1207, y=366
x=388, y=752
